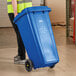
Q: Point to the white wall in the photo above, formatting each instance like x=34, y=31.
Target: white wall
x=4, y=20
x=36, y=2
x=58, y=14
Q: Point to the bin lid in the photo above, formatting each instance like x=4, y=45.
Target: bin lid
x=32, y=9
x=38, y=9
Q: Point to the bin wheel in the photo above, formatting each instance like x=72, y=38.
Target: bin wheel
x=52, y=66
x=28, y=65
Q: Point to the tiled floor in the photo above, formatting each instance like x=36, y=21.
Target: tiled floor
x=66, y=50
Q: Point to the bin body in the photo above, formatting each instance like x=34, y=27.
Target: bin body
x=37, y=35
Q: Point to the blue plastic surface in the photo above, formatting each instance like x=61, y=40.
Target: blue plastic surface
x=37, y=35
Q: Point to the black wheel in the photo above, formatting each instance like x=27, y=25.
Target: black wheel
x=52, y=66
x=28, y=65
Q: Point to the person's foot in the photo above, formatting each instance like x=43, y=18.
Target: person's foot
x=17, y=60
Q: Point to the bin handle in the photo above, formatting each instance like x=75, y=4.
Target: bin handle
x=43, y=12
x=33, y=12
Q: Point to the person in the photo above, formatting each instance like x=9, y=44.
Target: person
x=15, y=7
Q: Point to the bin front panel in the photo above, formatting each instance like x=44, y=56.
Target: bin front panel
x=41, y=26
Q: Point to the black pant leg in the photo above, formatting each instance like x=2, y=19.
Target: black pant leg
x=21, y=48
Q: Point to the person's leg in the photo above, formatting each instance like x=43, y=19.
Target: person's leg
x=21, y=48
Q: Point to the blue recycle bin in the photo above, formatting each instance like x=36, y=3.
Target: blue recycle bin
x=35, y=29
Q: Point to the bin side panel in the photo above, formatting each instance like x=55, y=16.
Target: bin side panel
x=26, y=33
x=52, y=37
